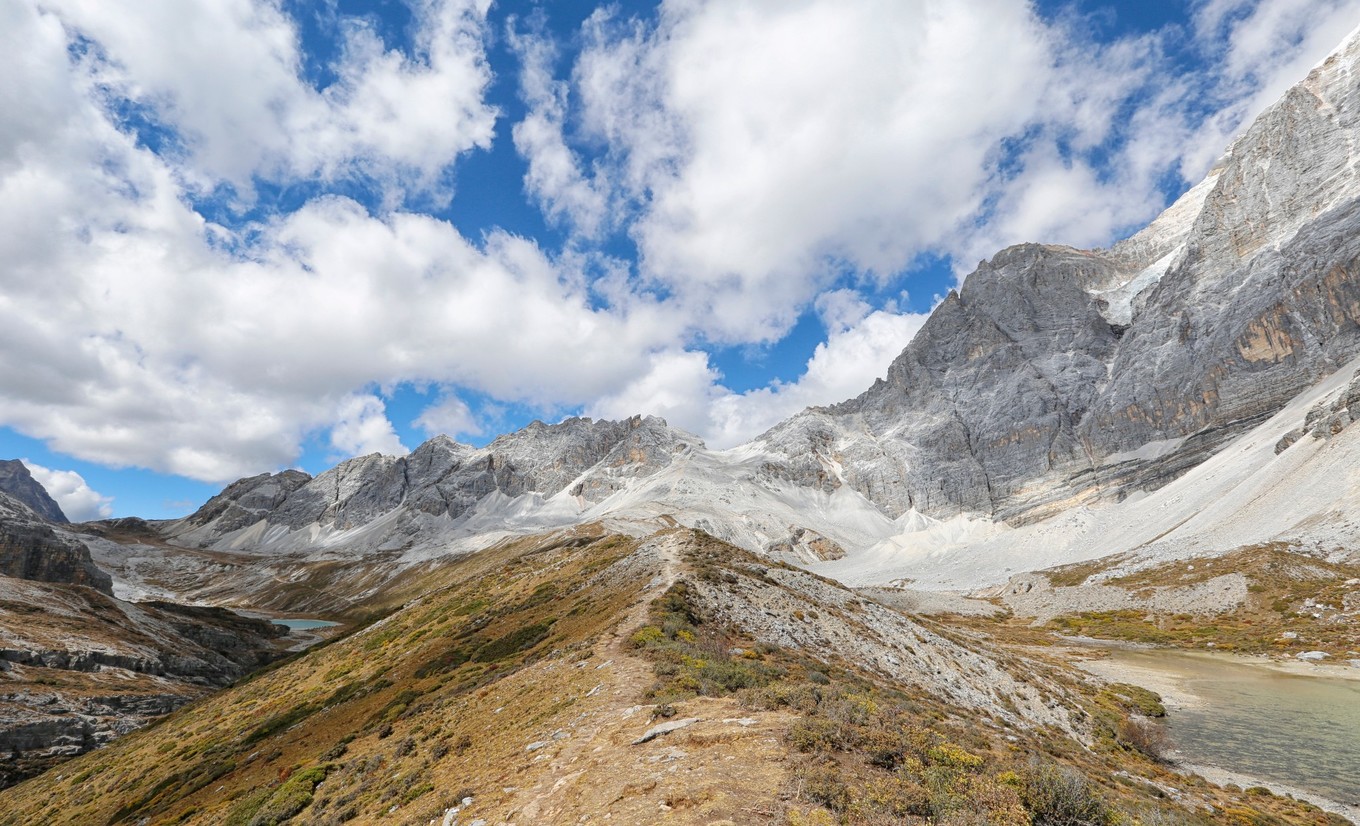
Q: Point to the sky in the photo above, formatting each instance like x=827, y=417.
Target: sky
x=238, y=236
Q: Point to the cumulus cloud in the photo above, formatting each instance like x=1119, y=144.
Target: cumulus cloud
x=78, y=500
x=228, y=83
x=773, y=144
x=449, y=415
x=135, y=337
x=554, y=178
x=685, y=389
x=362, y=427
x=766, y=147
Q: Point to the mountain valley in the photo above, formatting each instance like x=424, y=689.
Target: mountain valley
x=875, y=612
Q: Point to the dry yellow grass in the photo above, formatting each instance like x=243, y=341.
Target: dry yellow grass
x=517, y=680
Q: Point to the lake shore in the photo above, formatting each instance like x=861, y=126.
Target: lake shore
x=1225, y=777
x=1178, y=695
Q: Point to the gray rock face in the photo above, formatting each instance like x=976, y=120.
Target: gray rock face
x=48, y=729
x=987, y=397
x=245, y=501
x=16, y=480
x=31, y=549
x=443, y=478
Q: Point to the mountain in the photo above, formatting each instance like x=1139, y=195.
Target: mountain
x=433, y=488
x=1050, y=362
x=18, y=482
x=1152, y=443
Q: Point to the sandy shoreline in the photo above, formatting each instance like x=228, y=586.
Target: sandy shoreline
x=1172, y=687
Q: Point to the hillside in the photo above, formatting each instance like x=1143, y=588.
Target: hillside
x=679, y=679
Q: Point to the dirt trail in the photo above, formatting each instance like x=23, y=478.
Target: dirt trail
x=725, y=768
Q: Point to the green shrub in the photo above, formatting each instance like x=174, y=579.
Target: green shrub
x=1138, y=699
x=290, y=798
x=520, y=639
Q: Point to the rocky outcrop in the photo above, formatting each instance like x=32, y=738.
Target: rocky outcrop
x=78, y=668
x=31, y=549
x=1325, y=420
x=18, y=482
x=39, y=730
x=246, y=501
x=804, y=545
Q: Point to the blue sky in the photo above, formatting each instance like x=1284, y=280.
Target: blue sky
x=247, y=236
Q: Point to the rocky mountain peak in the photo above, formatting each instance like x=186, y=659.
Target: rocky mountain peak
x=243, y=501
x=17, y=481
x=1049, y=359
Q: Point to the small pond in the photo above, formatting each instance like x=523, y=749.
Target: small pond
x=1294, y=729
x=303, y=624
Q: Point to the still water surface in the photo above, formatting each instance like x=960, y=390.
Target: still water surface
x=303, y=624
x=1297, y=730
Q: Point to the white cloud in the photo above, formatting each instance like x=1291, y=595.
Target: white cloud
x=687, y=391
x=766, y=146
x=554, y=178
x=226, y=75
x=449, y=415
x=362, y=427
x=842, y=367
x=678, y=385
x=78, y=500
x=771, y=143
x=131, y=338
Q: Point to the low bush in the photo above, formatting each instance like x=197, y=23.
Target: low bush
x=1145, y=737
x=1057, y=796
